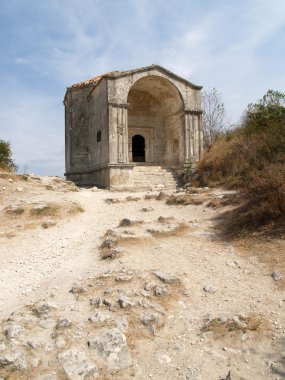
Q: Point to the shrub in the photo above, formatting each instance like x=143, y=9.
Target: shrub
x=252, y=158
x=6, y=161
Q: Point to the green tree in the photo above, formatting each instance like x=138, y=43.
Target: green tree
x=267, y=113
x=6, y=161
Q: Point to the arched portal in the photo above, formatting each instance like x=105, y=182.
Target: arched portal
x=156, y=113
x=138, y=148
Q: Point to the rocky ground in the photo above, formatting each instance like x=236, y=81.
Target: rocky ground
x=103, y=285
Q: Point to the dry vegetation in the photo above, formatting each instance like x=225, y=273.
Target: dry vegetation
x=184, y=200
x=172, y=231
x=20, y=212
x=251, y=158
x=222, y=326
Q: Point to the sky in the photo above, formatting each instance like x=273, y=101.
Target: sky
x=237, y=47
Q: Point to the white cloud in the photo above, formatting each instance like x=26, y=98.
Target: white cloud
x=21, y=61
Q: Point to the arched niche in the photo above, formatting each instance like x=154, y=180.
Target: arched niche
x=156, y=112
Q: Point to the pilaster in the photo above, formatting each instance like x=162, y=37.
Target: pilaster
x=193, y=135
x=118, y=126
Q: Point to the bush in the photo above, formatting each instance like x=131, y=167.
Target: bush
x=252, y=158
x=6, y=161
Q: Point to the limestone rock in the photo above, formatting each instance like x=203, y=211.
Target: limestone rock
x=47, y=376
x=149, y=318
x=164, y=359
x=276, y=276
x=42, y=310
x=167, y=278
x=149, y=286
x=210, y=289
x=39, y=208
x=63, y=322
x=99, y=317
x=111, y=345
x=122, y=278
x=60, y=342
x=76, y=366
x=13, y=331
x=125, y=302
x=161, y=291
x=122, y=323
x=33, y=343
x=97, y=301
x=125, y=222
x=191, y=374
x=15, y=361
x=77, y=290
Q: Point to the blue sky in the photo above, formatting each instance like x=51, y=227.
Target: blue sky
x=236, y=47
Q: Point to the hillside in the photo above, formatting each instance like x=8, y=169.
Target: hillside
x=105, y=285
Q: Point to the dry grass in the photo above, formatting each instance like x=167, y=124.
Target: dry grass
x=165, y=219
x=176, y=231
x=128, y=223
x=184, y=200
x=221, y=328
x=49, y=187
x=46, y=210
x=109, y=247
x=136, y=329
x=6, y=174
x=150, y=196
x=267, y=250
x=132, y=199
x=48, y=224
x=30, y=216
x=19, y=210
x=251, y=159
x=215, y=203
x=75, y=209
x=112, y=200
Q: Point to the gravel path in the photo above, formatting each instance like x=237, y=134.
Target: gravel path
x=218, y=282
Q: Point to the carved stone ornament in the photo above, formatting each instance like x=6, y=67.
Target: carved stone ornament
x=120, y=129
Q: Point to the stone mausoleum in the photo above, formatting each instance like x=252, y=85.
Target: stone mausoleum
x=132, y=129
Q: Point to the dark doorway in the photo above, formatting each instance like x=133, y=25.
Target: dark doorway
x=138, y=148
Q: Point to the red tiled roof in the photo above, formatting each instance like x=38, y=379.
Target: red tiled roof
x=94, y=80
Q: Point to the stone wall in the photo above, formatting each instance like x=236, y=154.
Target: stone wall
x=78, y=153
x=98, y=110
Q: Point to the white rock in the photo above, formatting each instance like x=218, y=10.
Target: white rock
x=47, y=376
x=122, y=323
x=99, y=317
x=15, y=360
x=63, y=322
x=76, y=366
x=60, y=342
x=164, y=359
x=149, y=318
x=14, y=331
x=125, y=302
x=210, y=289
x=276, y=276
x=168, y=278
x=111, y=345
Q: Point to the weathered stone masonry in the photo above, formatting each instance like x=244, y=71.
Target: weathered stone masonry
x=125, y=124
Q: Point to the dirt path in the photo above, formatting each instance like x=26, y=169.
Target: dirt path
x=219, y=285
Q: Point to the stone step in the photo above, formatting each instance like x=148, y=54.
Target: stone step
x=154, y=177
